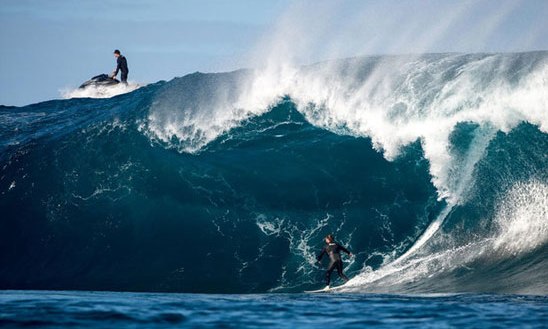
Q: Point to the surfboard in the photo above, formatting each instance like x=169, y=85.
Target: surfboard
x=319, y=291
x=323, y=290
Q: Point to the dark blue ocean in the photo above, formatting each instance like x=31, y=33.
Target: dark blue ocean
x=211, y=194
x=73, y=309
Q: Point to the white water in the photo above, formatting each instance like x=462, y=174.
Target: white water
x=100, y=91
x=522, y=218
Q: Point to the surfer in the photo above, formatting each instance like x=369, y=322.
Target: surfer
x=333, y=250
x=121, y=65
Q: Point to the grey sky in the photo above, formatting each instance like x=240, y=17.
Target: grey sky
x=49, y=45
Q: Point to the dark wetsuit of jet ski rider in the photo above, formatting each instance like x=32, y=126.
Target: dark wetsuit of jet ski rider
x=333, y=250
x=121, y=65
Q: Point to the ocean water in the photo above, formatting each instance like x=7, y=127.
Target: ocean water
x=54, y=309
x=431, y=169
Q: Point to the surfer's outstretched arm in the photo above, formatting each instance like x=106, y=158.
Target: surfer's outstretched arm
x=344, y=249
x=319, y=258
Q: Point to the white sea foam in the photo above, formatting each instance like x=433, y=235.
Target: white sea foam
x=522, y=218
x=100, y=91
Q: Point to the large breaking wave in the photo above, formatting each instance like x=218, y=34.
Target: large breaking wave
x=431, y=168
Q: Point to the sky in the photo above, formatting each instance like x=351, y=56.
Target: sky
x=48, y=46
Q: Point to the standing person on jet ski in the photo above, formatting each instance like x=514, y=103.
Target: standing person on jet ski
x=333, y=250
x=121, y=66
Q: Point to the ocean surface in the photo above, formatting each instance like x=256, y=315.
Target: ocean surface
x=431, y=169
x=73, y=309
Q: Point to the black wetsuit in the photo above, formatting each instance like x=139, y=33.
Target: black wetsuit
x=333, y=249
x=122, y=67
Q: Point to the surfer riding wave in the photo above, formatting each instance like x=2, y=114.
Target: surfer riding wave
x=333, y=250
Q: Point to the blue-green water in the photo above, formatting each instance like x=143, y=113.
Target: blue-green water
x=431, y=169
x=54, y=309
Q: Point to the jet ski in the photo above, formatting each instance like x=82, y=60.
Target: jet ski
x=100, y=80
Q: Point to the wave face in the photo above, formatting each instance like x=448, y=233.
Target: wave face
x=431, y=168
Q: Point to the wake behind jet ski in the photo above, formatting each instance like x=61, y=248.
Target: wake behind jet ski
x=100, y=80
